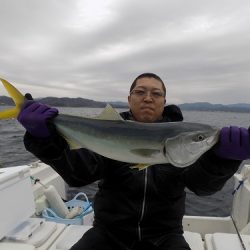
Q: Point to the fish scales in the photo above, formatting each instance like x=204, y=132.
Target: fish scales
x=147, y=143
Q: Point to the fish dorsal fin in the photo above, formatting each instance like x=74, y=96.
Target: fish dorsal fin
x=109, y=113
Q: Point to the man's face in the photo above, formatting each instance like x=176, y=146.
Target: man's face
x=147, y=100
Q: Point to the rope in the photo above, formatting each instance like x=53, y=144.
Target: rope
x=235, y=226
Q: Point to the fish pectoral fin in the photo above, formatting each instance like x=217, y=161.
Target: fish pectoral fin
x=140, y=166
x=109, y=113
x=16, y=96
x=145, y=152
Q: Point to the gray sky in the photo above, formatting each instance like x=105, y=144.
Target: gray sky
x=95, y=48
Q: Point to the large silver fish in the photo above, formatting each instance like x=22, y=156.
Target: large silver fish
x=142, y=144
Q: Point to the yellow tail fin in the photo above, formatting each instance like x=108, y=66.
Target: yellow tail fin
x=18, y=99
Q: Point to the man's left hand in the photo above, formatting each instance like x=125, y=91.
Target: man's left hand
x=234, y=143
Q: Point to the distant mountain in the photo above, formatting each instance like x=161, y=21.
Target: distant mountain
x=4, y=100
x=82, y=102
x=206, y=106
x=71, y=102
x=242, y=105
x=119, y=104
x=67, y=102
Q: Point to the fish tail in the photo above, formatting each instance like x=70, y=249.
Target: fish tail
x=16, y=96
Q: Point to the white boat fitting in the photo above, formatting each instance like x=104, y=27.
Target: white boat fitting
x=22, y=227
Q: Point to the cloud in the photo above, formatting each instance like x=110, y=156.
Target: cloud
x=94, y=49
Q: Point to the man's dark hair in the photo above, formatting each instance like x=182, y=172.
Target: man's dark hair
x=148, y=75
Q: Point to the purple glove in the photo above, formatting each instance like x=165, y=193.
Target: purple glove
x=234, y=143
x=34, y=117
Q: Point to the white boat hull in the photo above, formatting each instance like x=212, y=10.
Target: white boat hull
x=202, y=233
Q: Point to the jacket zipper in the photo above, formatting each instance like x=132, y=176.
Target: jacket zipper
x=143, y=204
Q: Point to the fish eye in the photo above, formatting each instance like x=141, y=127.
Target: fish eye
x=200, y=137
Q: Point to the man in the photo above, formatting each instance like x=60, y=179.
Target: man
x=135, y=209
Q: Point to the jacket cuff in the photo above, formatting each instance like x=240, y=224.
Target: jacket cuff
x=217, y=165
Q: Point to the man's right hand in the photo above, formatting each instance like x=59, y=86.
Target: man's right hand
x=34, y=117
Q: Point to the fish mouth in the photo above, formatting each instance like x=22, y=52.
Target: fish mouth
x=213, y=139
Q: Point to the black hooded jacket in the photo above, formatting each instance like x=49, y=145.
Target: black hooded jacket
x=131, y=204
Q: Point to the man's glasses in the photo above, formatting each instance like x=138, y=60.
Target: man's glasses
x=143, y=93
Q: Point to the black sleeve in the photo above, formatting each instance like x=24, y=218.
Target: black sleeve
x=77, y=167
x=209, y=174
